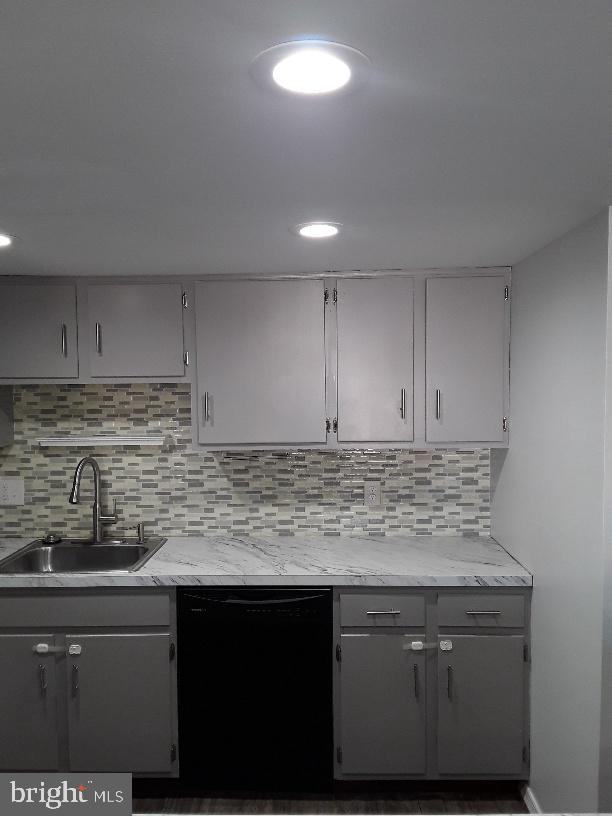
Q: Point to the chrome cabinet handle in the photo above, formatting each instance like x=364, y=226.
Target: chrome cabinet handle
x=98, y=338
x=75, y=679
x=449, y=682
x=42, y=678
x=384, y=612
x=482, y=612
x=415, y=670
x=64, y=341
x=206, y=407
x=403, y=404
x=438, y=403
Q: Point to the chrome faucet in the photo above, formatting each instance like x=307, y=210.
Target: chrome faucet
x=98, y=518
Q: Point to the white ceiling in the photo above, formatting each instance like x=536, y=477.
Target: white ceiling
x=133, y=139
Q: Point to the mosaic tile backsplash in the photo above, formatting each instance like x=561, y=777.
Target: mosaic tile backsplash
x=177, y=490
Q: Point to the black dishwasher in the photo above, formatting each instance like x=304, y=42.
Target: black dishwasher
x=255, y=688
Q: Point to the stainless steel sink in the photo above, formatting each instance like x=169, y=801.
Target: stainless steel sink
x=80, y=555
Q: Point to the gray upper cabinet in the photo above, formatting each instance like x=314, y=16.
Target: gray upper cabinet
x=119, y=703
x=466, y=359
x=134, y=330
x=261, y=362
x=28, y=704
x=383, y=711
x=481, y=715
x=38, y=332
x=375, y=360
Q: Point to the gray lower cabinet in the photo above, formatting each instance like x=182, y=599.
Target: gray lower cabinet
x=481, y=714
x=119, y=693
x=375, y=359
x=261, y=362
x=415, y=699
x=90, y=682
x=28, y=704
x=383, y=705
x=134, y=330
x=38, y=331
x=466, y=359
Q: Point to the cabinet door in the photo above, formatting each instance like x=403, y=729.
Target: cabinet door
x=481, y=716
x=38, y=336
x=135, y=330
x=466, y=359
x=28, y=705
x=375, y=360
x=119, y=703
x=382, y=705
x=261, y=362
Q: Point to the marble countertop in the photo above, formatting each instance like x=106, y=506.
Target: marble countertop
x=446, y=561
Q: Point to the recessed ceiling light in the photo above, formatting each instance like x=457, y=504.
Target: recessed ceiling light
x=317, y=229
x=311, y=71
x=310, y=67
x=5, y=240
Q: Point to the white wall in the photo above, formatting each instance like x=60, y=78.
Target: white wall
x=605, y=758
x=548, y=501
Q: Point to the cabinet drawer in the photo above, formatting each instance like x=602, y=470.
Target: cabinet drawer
x=382, y=610
x=481, y=610
x=40, y=608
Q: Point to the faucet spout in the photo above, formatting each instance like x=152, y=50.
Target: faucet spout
x=75, y=497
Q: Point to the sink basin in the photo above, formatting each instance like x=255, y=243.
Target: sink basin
x=79, y=555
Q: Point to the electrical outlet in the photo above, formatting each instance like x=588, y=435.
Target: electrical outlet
x=11, y=492
x=372, y=493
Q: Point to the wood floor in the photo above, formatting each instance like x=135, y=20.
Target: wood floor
x=446, y=798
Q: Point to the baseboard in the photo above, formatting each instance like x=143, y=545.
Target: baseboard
x=531, y=803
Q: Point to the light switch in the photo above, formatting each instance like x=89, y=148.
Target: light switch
x=11, y=492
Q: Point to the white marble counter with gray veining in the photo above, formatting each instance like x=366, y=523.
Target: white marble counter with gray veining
x=446, y=561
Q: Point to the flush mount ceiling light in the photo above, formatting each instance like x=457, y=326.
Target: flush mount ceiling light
x=310, y=67
x=317, y=229
x=5, y=240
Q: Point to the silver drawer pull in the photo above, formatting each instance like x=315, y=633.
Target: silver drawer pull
x=98, y=338
x=438, y=403
x=385, y=612
x=403, y=404
x=64, y=341
x=483, y=612
x=206, y=408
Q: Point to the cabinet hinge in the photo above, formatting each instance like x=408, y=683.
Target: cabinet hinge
x=184, y=300
x=506, y=292
x=186, y=358
x=505, y=424
x=339, y=755
x=339, y=653
x=326, y=296
x=172, y=651
x=173, y=753
x=525, y=653
x=335, y=295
